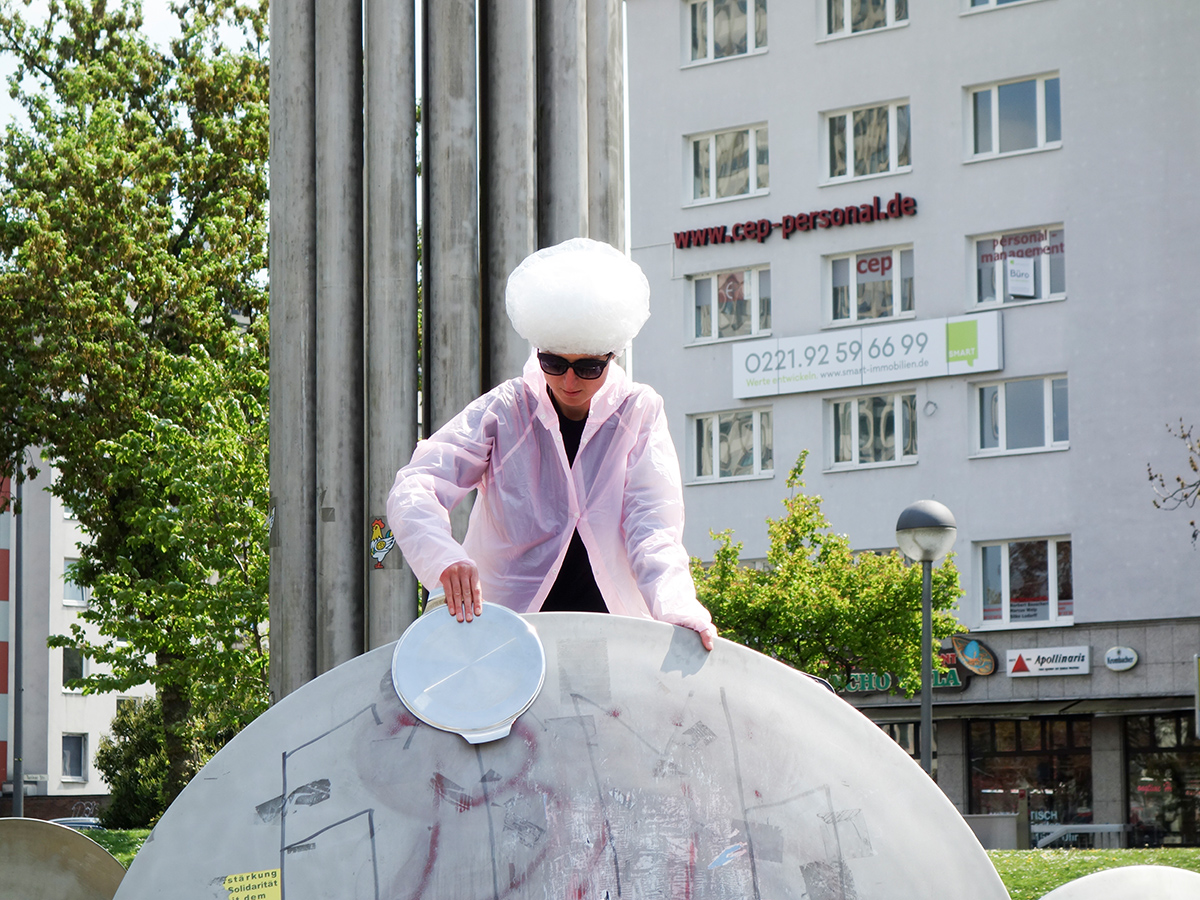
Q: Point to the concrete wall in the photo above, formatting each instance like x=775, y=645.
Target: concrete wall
x=1123, y=184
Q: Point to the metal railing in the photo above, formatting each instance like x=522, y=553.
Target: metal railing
x=1048, y=834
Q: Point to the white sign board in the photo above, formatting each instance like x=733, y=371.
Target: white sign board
x=1020, y=276
x=1042, y=661
x=1121, y=659
x=873, y=354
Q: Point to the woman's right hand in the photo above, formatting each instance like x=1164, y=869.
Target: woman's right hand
x=464, y=594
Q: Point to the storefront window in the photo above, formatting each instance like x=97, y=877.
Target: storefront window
x=1163, y=754
x=1049, y=759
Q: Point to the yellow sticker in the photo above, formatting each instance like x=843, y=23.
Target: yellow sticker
x=261, y=885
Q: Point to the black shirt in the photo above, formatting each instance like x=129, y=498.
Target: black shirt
x=575, y=588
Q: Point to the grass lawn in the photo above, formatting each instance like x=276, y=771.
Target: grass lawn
x=1031, y=874
x=124, y=845
x=1028, y=874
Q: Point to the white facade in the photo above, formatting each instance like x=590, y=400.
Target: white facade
x=62, y=726
x=1060, y=133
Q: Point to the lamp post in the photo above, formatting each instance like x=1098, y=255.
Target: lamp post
x=18, y=652
x=925, y=533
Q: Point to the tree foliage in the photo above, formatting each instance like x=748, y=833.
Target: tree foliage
x=820, y=607
x=134, y=764
x=1184, y=490
x=132, y=277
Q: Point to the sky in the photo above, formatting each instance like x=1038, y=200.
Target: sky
x=159, y=23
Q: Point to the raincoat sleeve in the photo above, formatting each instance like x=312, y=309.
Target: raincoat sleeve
x=652, y=521
x=444, y=469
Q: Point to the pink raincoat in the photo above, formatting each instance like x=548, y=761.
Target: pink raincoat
x=623, y=495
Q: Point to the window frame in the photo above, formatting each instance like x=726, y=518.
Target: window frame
x=1047, y=772
x=695, y=477
x=1005, y=622
x=827, y=287
x=753, y=188
x=83, y=669
x=70, y=601
x=83, y=757
x=1150, y=769
x=752, y=47
x=751, y=274
x=832, y=464
x=847, y=115
x=1044, y=260
x=977, y=423
x=992, y=89
x=890, y=21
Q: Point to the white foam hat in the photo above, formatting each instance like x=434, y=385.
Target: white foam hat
x=578, y=297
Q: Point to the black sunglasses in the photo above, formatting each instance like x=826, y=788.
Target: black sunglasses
x=587, y=369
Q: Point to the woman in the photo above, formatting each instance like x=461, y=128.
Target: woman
x=580, y=505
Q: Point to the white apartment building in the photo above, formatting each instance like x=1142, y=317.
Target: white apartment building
x=945, y=247
x=62, y=727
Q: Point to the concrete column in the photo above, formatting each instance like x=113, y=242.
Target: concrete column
x=391, y=299
x=508, y=186
x=606, y=122
x=339, y=467
x=293, y=349
x=41, y=750
x=453, y=320
x=562, y=121
x=1108, y=773
x=952, y=765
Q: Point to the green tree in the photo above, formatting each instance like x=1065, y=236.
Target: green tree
x=820, y=607
x=132, y=278
x=134, y=764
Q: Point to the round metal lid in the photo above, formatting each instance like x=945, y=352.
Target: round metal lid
x=472, y=678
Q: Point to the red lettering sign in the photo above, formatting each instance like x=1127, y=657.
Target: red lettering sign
x=759, y=230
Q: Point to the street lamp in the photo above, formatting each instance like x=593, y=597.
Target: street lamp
x=925, y=533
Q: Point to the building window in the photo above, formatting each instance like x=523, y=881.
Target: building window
x=875, y=285
x=735, y=444
x=719, y=29
x=729, y=163
x=1018, y=416
x=72, y=667
x=1027, y=582
x=873, y=140
x=730, y=304
x=1017, y=266
x=1163, y=755
x=1013, y=116
x=864, y=430
x=74, y=757
x=854, y=16
x=1049, y=759
x=73, y=594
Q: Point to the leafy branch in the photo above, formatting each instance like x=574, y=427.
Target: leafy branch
x=1183, y=492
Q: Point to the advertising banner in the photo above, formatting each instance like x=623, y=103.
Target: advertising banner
x=1042, y=661
x=874, y=354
